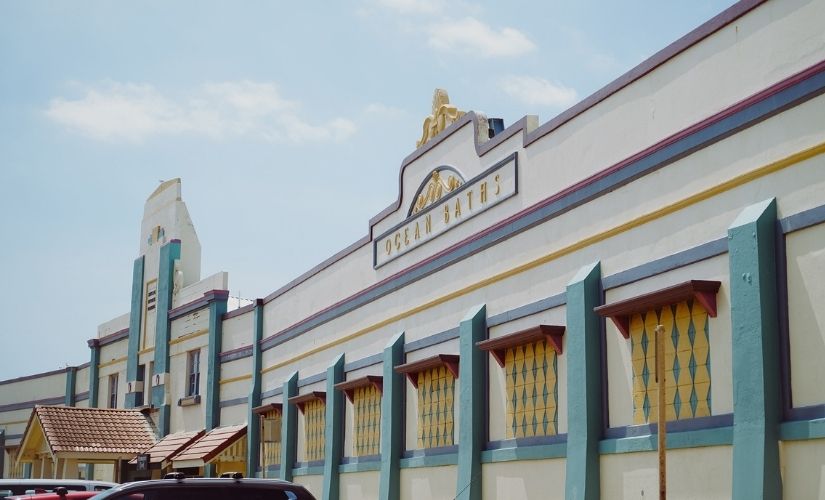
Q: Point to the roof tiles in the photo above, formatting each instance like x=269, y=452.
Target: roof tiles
x=214, y=442
x=71, y=429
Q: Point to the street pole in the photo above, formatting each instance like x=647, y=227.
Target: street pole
x=661, y=414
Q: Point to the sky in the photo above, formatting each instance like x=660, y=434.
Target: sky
x=286, y=121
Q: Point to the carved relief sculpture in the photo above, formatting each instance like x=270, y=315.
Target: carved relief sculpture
x=435, y=190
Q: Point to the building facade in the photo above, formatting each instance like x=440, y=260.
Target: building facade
x=493, y=335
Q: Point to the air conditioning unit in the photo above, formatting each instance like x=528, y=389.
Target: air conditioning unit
x=134, y=386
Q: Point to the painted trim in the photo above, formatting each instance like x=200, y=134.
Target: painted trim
x=530, y=309
x=71, y=381
x=432, y=340
x=718, y=436
x=314, y=470
x=239, y=378
x=535, y=452
x=188, y=336
x=801, y=430
x=368, y=466
x=372, y=459
x=312, y=379
x=241, y=310
x=81, y=396
x=113, y=362
x=236, y=354
x=24, y=405
x=698, y=197
x=113, y=337
x=525, y=442
x=392, y=419
x=472, y=392
x=228, y=403
x=253, y=434
x=217, y=300
x=373, y=360
x=755, y=340
x=146, y=351
x=33, y=377
x=691, y=424
x=289, y=427
x=584, y=384
x=807, y=412
x=197, y=304
x=135, y=327
x=272, y=393
x=163, y=330
x=334, y=430
x=429, y=461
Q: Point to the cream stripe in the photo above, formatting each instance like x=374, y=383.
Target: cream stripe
x=112, y=362
x=737, y=181
x=235, y=379
x=188, y=336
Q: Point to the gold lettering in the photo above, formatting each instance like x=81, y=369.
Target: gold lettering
x=417, y=231
x=470, y=200
x=446, y=214
x=457, y=208
x=406, y=236
x=398, y=241
x=428, y=223
x=389, y=246
x=498, y=186
x=484, y=192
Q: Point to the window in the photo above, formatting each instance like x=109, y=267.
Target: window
x=141, y=377
x=313, y=406
x=193, y=372
x=365, y=395
x=113, y=390
x=683, y=311
x=434, y=379
x=270, y=416
x=530, y=362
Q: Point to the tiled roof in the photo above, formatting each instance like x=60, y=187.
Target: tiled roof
x=210, y=445
x=169, y=445
x=95, y=430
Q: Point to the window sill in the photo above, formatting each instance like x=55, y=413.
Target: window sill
x=190, y=400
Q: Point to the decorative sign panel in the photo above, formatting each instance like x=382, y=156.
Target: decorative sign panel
x=473, y=197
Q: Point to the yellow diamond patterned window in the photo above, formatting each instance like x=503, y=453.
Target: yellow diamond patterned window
x=434, y=378
x=365, y=395
x=313, y=406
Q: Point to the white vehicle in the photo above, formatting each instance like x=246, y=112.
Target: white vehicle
x=9, y=487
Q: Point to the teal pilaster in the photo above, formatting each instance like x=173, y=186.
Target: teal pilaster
x=472, y=371
x=94, y=372
x=253, y=430
x=755, y=338
x=71, y=380
x=90, y=471
x=584, y=391
x=217, y=308
x=169, y=253
x=2, y=452
x=289, y=427
x=334, y=429
x=135, y=315
x=392, y=408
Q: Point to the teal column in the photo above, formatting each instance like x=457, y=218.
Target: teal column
x=168, y=254
x=71, y=380
x=289, y=427
x=135, y=315
x=94, y=372
x=217, y=308
x=2, y=452
x=755, y=338
x=333, y=429
x=472, y=370
x=584, y=390
x=392, y=412
x=253, y=443
x=90, y=471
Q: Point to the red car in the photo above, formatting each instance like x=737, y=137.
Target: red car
x=59, y=493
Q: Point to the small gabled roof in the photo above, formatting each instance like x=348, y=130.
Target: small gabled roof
x=171, y=444
x=208, y=446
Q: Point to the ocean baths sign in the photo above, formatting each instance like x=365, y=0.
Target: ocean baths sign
x=443, y=202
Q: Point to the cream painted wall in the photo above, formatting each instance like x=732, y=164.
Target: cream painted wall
x=315, y=484
x=195, y=291
x=431, y=483
x=692, y=473
x=523, y=480
x=359, y=485
x=32, y=389
x=806, y=297
x=803, y=468
x=619, y=368
x=233, y=415
x=237, y=331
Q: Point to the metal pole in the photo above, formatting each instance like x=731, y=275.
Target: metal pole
x=662, y=406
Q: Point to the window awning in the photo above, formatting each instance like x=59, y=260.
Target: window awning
x=209, y=446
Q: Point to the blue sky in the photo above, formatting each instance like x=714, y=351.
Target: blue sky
x=287, y=122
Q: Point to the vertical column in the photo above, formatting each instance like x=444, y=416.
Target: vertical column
x=71, y=378
x=161, y=399
x=253, y=437
x=289, y=427
x=2, y=453
x=392, y=408
x=135, y=320
x=584, y=391
x=471, y=376
x=94, y=372
x=217, y=308
x=333, y=432
x=755, y=332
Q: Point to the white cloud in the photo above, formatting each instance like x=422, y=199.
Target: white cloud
x=473, y=37
x=538, y=91
x=380, y=110
x=127, y=112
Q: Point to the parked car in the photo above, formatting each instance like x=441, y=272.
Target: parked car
x=59, y=493
x=10, y=487
x=208, y=489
